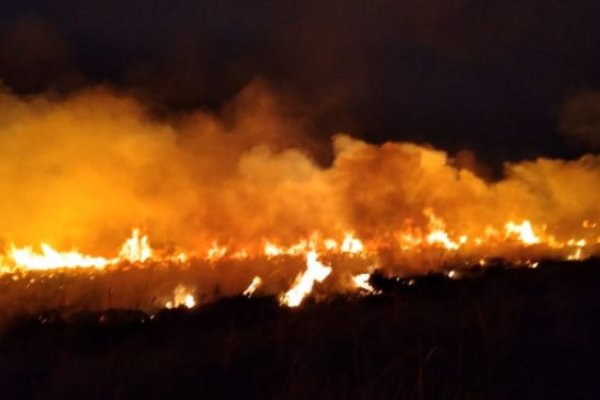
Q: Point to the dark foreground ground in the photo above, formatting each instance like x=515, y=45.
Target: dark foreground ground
x=499, y=334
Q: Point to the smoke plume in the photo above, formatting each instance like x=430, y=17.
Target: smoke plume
x=82, y=171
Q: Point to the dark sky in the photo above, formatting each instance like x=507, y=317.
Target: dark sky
x=460, y=74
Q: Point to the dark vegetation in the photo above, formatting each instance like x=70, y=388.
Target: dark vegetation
x=500, y=333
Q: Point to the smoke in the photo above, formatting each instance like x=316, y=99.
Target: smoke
x=225, y=123
x=86, y=168
x=35, y=56
x=81, y=171
x=580, y=119
x=387, y=187
x=451, y=73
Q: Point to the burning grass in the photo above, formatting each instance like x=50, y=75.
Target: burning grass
x=147, y=278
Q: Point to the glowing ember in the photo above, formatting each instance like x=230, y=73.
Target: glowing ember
x=452, y=274
x=315, y=272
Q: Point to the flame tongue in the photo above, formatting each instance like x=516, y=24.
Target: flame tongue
x=524, y=232
x=361, y=281
x=315, y=272
x=136, y=248
x=254, y=285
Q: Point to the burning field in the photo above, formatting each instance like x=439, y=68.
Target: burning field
x=223, y=199
x=136, y=249
x=104, y=206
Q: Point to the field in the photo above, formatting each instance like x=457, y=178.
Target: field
x=495, y=333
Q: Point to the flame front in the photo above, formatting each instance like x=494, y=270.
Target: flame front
x=49, y=258
x=521, y=241
x=411, y=242
x=135, y=249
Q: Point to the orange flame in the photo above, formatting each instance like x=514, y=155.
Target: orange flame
x=49, y=258
x=254, y=285
x=315, y=272
x=136, y=248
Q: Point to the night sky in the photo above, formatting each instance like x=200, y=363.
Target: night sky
x=502, y=78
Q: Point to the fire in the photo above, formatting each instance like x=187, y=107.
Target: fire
x=136, y=248
x=437, y=234
x=254, y=285
x=245, y=195
x=216, y=252
x=330, y=244
x=523, y=232
x=589, y=225
x=351, y=244
x=441, y=237
x=577, y=255
x=579, y=246
x=411, y=241
x=361, y=281
x=244, y=191
x=301, y=247
x=273, y=251
x=182, y=297
x=303, y=285
x=240, y=255
x=27, y=258
x=296, y=249
x=452, y=274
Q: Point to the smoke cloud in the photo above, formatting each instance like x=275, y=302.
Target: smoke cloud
x=82, y=171
x=456, y=74
x=580, y=119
